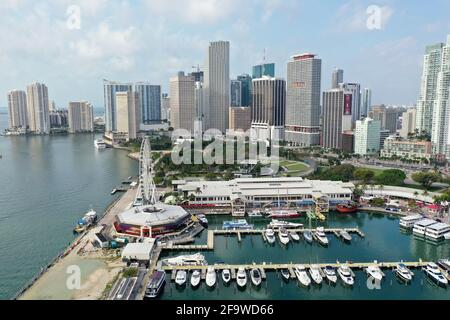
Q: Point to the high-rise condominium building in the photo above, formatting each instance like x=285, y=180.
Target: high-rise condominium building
x=165, y=107
x=150, y=102
x=366, y=104
x=59, y=118
x=128, y=113
x=246, y=89
x=236, y=93
x=110, y=89
x=240, y=118
x=265, y=69
x=441, y=106
x=408, y=123
x=268, y=109
x=303, y=100
x=337, y=77
x=182, y=102
x=217, y=86
x=81, y=117
x=38, y=111
x=367, y=136
x=17, y=107
x=387, y=116
x=355, y=90
x=337, y=117
x=432, y=67
x=199, y=108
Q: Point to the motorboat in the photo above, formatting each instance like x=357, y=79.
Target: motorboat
x=195, y=278
x=345, y=235
x=276, y=224
x=284, y=213
x=375, y=272
x=294, y=235
x=181, y=277
x=211, y=277
x=241, y=277
x=255, y=214
x=345, y=273
x=321, y=236
x=315, y=275
x=270, y=236
x=226, y=275
x=308, y=236
x=99, y=144
x=330, y=274
x=203, y=220
x=434, y=273
x=255, y=276
x=444, y=264
x=403, y=272
x=447, y=236
x=285, y=274
x=155, y=284
x=302, y=275
x=88, y=219
x=196, y=259
x=240, y=224
x=283, y=235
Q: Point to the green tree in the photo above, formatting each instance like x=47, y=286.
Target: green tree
x=363, y=174
x=391, y=177
x=427, y=178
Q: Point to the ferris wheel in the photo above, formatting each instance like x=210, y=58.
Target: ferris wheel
x=147, y=188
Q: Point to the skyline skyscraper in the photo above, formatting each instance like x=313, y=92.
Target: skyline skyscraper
x=246, y=88
x=38, y=114
x=355, y=89
x=110, y=88
x=150, y=102
x=337, y=77
x=128, y=113
x=217, y=86
x=17, y=107
x=366, y=104
x=182, y=102
x=303, y=100
x=80, y=117
x=236, y=93
x=264, y=69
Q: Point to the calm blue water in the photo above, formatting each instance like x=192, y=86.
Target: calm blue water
x=46, y=184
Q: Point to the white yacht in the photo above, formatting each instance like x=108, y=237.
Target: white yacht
x=255, y=214
x=283, y=235
x=195, y=278
x=346, y=276
x=255, y=276
x=294, y=235
x=315, y=275
x=270, y=236
x=226, y=276
x=241, y=277
x=284, y=224
x=409, y=221
x=302, y=275
x=330, y=274
x=285, y=274
x=421, y=226
x=181, y=277
x=211, y=277
x=321, y=236
x=186, y=260
x=434, y=273
x=100, y=144
x=447, y=236
x=437, y=231
x=403, y=272
x=375, y=272
x=345, y=235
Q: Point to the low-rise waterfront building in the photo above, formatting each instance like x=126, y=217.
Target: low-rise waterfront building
x=411, y=149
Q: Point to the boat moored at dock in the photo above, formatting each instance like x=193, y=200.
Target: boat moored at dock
x=403, y=273
x=344, y=235
x=294, y=235
x=320, y=236
x=255, y=276
x=270, y=236
x=100, y=144
x=283, y=236
x=375, y=272
x=211, y=277
x=195, y=278
x=421, y=226
x=196, y=259
x=276, y=224
x=330, y=274
x=408, y=222
x=181, y=277
x=89, y=218
x=226, y=275
x=241, y=277
x=240, y=224
x=308, y=236
x=283, y=213
x=302, y=275
x=347, y=208
x=315, y=275
x=345, y=273
x=155, y=284
x=435, y=274
x=437, y=231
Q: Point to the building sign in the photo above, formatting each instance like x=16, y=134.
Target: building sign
x=347, y=104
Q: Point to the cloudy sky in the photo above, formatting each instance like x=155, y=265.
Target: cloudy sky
x=150, y=40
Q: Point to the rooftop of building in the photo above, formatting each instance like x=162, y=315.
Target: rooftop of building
x=153, y=215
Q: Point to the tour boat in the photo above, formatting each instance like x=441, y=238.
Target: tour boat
x=186, y=260
x=285, y=274
x=226, y=275
x=434, y=273
x=302, y=275
x=321, y=236
x=284, y=214
x=240, y=224
x=270, y=236
x=330, y=274
x=294, y=235
x=211, y=277
x=255, y=276
x=403, y=272
x=308, y=236
x=437, y=231
x=347, y=208
x=155, y=284
x=99, y=144
x=345, y=235
x=409, y=221
x=283, y=235
x=89, y=218
x=315, y=274
x=421, y=226
x=375, y=272
x=284, y=224
x=241, y=277
x=181, y=277
x=195, y=278
x=346, y=276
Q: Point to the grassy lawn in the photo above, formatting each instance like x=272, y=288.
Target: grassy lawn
x=294, y=167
